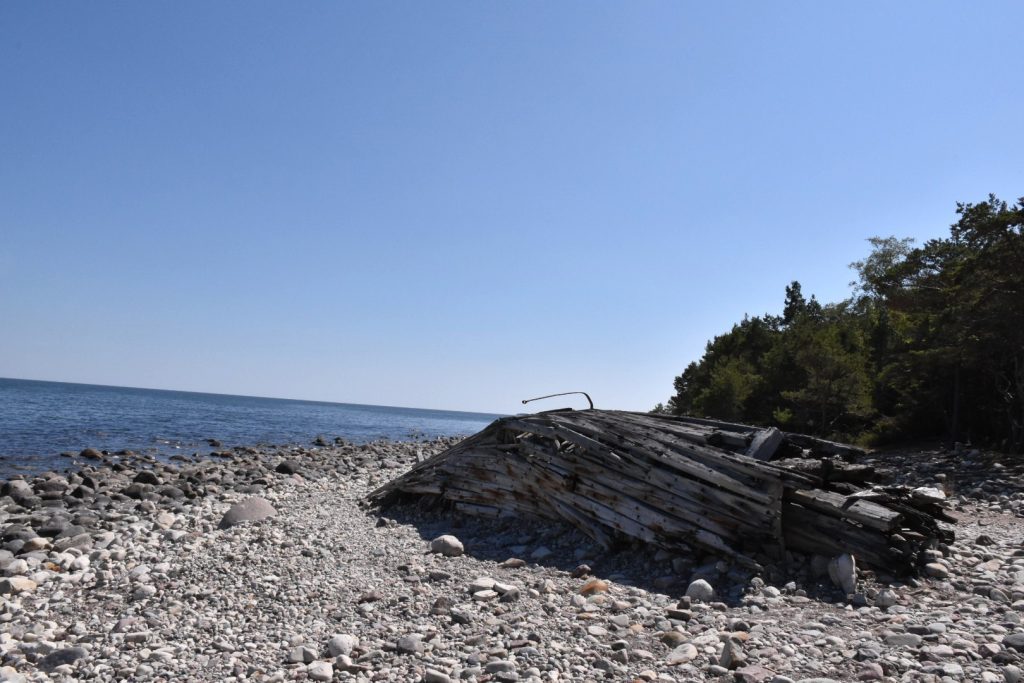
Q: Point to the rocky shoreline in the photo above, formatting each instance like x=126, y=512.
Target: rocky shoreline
x=261, y=564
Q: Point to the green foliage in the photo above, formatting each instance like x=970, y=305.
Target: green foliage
x=832, y=395
x=930, y=343
x=732, y=383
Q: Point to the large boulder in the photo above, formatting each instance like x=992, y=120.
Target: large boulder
x=252, y=509
x=700, y=591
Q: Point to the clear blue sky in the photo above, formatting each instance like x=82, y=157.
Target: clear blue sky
x=459, y=205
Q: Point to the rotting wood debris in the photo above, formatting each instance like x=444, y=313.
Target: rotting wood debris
x=679, y=482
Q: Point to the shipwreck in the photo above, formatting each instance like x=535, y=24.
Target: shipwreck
x=680, y=483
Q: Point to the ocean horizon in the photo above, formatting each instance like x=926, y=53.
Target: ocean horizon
x=40, y=420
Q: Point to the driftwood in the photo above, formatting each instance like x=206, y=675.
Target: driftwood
x=678, y=482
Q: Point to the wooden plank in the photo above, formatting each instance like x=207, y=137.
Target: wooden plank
x=730, y=440
x=634, y=493
x=710, y=455
x=810, y=531
x=823, y=446
x=558, y=432
x=837, y=505
x=684, y=497
x=714, y=424
x=648, y=450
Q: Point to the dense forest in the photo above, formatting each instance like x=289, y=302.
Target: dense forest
x=929, y=344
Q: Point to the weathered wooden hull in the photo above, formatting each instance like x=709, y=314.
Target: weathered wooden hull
x=673, y=482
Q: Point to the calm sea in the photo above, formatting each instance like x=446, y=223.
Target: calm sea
x=39, y=420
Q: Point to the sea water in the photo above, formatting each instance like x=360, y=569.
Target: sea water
x=40, y=420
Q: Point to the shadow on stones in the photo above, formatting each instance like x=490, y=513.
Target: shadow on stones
x=632, y=563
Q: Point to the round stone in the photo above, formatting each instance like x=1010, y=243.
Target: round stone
x=701, y=591
x=447, y=545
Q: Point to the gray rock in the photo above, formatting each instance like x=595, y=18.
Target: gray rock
x=165, y=520
x=135, y=491
x=989, y=650
x=320, y=671
x=126, y=624
x=435, y=676
x=67, y=655
x=885, y=599
x=1014, y=641
x=143, y=592
x=82, y=541
x=843, y=572
x=249, y=510
x=485, y=595
x=483, y=583
x=952, y=670
x=870, y=671
x=9, y=675
x=683, y=654
x=342, y=644
x=52, y=527
x=286, y=467
x=903, y=640
x=732, y=654
x=301, y=654
x=701, y=591
x=147, y=477
x=16, y=584
x=17, y=531
x=16, y=488
x=936, y=570
x=370, y=596
x=441, y=606
x=16, y=567
x=447, y=545
x=752, y=673
x=411, y=644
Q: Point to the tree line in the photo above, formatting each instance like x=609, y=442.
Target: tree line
x=929, y=344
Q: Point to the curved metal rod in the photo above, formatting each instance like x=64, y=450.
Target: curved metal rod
x=565, y=393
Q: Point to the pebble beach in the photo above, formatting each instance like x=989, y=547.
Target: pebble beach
x=263, y=564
